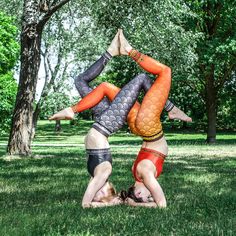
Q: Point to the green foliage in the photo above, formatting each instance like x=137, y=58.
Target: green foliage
x=8, y=88
x=53, y=103
x=189, y=101
x=227, y=107
x=9, y=47
x=217, y=23
x=174, y=32
x=216, y=55
x=9, y=52
x=154, y=27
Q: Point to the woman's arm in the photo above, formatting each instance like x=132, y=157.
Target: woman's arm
x=131, y=202
x=155, y=189
x=94, y=185
x=115, y=201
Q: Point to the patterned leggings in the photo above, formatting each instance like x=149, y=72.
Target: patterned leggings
x=144, y=119
x=82, y=83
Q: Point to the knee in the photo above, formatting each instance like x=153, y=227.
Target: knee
x=77, y=80
x=105, y=84
x=167, y=71
x=143, y=76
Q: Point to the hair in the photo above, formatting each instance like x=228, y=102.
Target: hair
x=111, y=193
x=130, y=194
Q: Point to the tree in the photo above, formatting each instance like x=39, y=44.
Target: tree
x=66, y=42
x=35, y=15
x=226, y=118
x=216, y=52
x=155, y=28
x=9, y=52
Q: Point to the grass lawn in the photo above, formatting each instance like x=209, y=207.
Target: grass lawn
x=42, y=195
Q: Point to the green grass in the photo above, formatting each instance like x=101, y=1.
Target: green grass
x=42, y=195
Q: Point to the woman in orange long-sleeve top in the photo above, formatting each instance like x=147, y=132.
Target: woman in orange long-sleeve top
x=144, y=119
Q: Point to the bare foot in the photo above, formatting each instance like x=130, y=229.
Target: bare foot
x=176, y=113
x=125, y=47
x=66, y=114
x=114, y=48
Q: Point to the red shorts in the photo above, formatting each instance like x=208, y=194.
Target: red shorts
x=155, y=157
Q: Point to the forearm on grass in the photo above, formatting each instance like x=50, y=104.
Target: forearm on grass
x=94, y=185
x=155, y=189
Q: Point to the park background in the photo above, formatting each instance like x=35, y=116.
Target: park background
x=45, y=44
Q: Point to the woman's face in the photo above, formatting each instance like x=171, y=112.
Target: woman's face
x=103, y=192
x=142, y=192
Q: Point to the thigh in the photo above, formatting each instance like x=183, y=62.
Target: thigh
x=148, y=118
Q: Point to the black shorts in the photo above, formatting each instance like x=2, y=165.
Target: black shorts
x=96, y=157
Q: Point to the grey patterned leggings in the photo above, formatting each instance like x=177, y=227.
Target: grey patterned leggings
x=82, y=83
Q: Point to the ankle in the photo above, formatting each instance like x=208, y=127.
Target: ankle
x=128, y=49
x=111, y=51
x=135, y=55
x=107, y=55
x=72, y=109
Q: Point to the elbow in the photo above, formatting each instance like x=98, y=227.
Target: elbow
x=86, y=205
x=162, y=203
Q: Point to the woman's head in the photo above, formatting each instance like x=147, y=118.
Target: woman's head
x=106, y=194
x=138, y=192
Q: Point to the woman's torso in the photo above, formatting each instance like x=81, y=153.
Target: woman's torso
x=158, y=145
x=95, y=140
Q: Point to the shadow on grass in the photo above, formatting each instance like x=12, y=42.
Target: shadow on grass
x=198, y=189
x=198, y=141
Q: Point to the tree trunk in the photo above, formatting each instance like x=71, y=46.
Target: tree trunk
x=58, y=126
x=35, y=118
x=22, y=122
x=35, y=16
x=211, y=96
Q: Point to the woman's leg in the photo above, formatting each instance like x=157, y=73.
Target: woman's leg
x=123, y=104
x=96, y=96
x=115, y=116
x=148, y=118
x=82, y=82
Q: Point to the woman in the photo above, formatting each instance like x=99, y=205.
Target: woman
x=113, y=118
x=99, y=192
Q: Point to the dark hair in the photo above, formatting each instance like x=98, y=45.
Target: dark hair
x=130, y=194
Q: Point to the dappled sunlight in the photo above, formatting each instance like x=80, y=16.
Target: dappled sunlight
x=206, y=178
x=206, y=152
x=47, y=187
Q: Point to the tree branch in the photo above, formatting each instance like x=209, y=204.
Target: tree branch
x=51, y=11
x=225, y=77
x=200, y=93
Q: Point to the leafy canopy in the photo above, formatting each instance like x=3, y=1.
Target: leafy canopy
x=9, y=47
